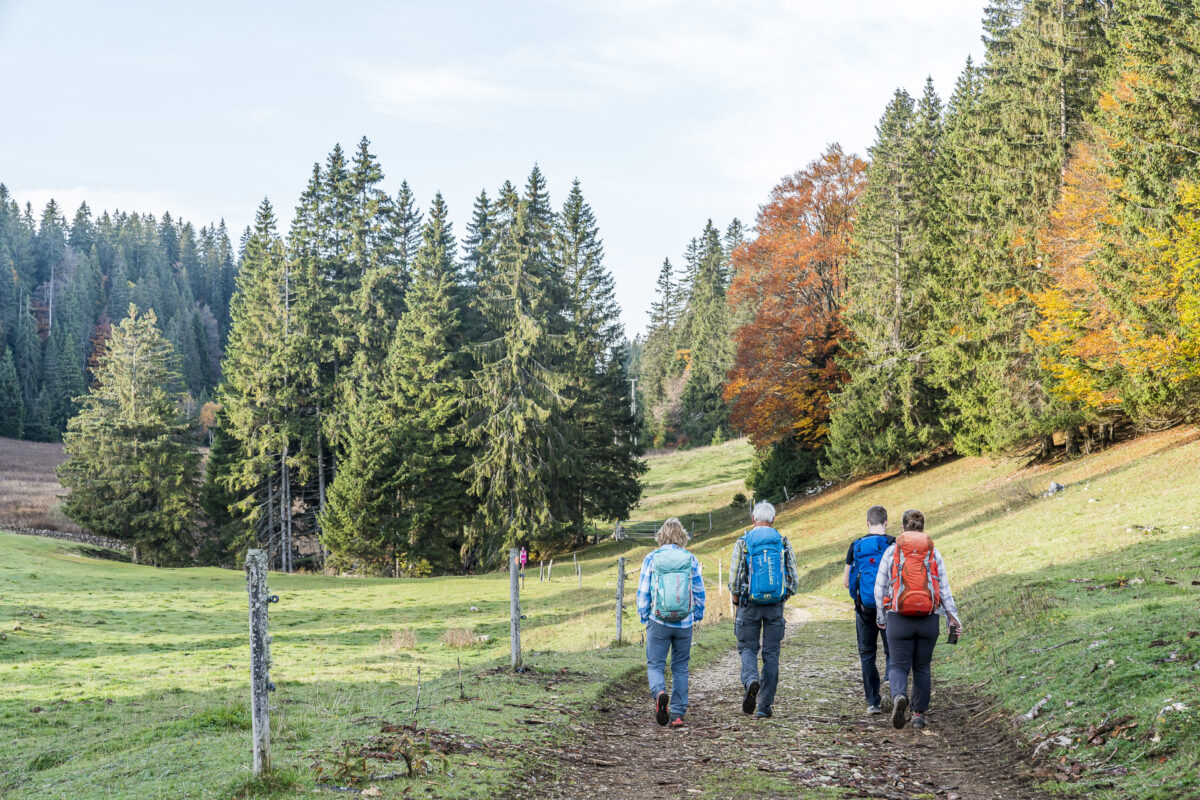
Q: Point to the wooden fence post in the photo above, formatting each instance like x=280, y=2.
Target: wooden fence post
x=786, y=497
x=260, y=660
x=549, y=569
x=541, y=571
x=578, y=571
x=720, y=583
x=620, y=595
x=514, y=605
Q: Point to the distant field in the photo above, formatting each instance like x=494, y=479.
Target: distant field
x=29, y=489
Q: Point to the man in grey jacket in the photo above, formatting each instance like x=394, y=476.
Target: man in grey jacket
x=912, y=636
x=759, y=626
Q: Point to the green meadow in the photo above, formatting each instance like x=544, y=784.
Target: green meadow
x=130, y=682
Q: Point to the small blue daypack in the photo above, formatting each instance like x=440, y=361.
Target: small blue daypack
x=867, y=552
x=764, y=561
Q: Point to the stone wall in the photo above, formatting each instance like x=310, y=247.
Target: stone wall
x=82, y=538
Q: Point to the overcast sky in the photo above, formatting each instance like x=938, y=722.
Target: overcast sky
x=668, y=112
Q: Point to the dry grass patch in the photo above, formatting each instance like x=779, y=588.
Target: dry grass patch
x=458, y=637
x=29, y=489
x=402, y=639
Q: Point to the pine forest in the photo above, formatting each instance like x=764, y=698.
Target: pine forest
x=1011, y=266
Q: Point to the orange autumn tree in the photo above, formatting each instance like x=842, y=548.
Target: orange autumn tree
x=1077, y=331
x=787, y=288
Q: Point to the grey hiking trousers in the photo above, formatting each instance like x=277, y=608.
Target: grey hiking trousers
x=760, y=627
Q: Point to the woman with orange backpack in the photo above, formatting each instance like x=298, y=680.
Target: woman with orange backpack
x=911, y=592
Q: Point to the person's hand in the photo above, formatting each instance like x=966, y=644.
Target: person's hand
x=881, y=625
x=956, y=625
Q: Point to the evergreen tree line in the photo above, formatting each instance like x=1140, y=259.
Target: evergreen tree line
x=63, y=283
x=394, y=403
x=682, y=360
x=1021, y=266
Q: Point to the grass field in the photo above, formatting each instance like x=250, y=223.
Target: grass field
x=129, y=682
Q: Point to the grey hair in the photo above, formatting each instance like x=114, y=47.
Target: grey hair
x=763, y=512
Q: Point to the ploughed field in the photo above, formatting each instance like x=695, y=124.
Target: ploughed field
x=126, y=681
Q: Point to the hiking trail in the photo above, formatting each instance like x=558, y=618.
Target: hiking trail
x=819, y=743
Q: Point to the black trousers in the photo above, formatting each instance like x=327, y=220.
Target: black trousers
x=910, y=643
x=869, y=637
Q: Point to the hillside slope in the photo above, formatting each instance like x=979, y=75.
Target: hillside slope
x=117, y=675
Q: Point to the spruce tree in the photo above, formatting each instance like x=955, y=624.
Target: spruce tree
x=516, y=399
x=398, y=498
x=708, y=325
x=888, y=415
x=12, y=405
x=600, y=477
x=263, y=392
x=131, y=470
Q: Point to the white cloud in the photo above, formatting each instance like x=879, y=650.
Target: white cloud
x=455, y=96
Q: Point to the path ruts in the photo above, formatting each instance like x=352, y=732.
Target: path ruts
x=820, y=743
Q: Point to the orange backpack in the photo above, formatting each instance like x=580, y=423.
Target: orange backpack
x=916, y=588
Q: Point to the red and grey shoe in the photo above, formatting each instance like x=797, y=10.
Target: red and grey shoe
x=677, y=720
x=660, y=708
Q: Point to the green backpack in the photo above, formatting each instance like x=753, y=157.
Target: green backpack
x=672, y=584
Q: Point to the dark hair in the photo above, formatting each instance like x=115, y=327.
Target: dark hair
x=876, y=515
x=914, y=520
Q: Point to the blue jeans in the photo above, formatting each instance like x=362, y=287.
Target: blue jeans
x=659, y=639
x=755, y=627
x=911, y=641
x=869, y=636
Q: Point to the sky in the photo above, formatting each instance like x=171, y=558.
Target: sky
x=669, y=113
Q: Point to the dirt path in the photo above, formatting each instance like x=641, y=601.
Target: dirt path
x=820, y=742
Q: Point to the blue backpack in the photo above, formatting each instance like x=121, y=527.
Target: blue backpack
x=764, y=562
x=867, y=552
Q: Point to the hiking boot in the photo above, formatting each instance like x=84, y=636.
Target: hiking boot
x=874, y=709
x=918, y=722
x=750, y=699
x=899, y=706
x=660, y=708
x=767, y=714
x=886, y=705
x=677, y=720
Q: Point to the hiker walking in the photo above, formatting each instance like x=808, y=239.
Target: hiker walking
x=762, y=576
x=911, y=591
x=670, y=599
x=862, y=567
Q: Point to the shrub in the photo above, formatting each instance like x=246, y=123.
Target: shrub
x=739, y=501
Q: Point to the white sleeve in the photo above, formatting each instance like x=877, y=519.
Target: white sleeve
x=881, y=582
x=944, y=586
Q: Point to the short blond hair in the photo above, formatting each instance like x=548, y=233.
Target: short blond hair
x=672, y=532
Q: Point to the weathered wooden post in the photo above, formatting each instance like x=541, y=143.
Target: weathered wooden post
x=514, y=606
x=260, y=659
x=720, y=583
x=549, y=569
x=620, y=595
x=541, y=571
x=786, y=496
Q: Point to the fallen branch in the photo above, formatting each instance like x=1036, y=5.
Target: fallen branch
x=1037, y=709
